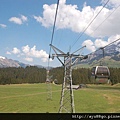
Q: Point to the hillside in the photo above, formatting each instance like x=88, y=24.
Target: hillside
x=107, y=62
x=111, y=58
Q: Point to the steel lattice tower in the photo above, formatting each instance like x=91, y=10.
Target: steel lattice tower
x=67, y=97
x=49, y=88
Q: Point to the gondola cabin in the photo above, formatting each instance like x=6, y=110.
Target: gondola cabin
x=100, y=74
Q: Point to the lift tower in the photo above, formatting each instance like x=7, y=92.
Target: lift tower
x=67, y=97
x=49, y=88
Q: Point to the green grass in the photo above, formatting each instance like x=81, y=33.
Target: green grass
x=32, y=98
x=98, y=99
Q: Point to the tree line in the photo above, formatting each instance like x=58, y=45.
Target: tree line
x=33, y=74
x=30, y=74
x=82, y=75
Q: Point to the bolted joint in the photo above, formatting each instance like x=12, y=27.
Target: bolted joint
x=52, y=57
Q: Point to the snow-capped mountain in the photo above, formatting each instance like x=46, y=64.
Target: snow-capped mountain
x=4, y=62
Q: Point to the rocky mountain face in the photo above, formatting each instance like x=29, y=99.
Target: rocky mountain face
x=4, y=62
x=111, y=56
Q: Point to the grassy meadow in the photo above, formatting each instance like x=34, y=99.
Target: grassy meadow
x=32, y=98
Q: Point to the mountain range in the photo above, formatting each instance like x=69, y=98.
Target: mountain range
x=5, y=62
x=111, y=59
x=108, y=56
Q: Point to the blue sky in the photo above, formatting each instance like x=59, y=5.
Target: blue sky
x=26, y=27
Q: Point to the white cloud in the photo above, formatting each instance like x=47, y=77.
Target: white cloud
x=15, y=50
x=70, y=17
x=89, y=45
x=15, y=20
x=3, y=25
x=18, y=20
x=28, y=59
x=24, y=18
x=9, y=53
x=113, y=38
x=100, y=43
x=62, y=1
x=112, y=3
x=38, y=54
x=29, y=54
x=26, y=49
x=92, y=46
x=109, y=27
x=38, y=19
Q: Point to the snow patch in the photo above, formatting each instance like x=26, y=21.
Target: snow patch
x=2, y=57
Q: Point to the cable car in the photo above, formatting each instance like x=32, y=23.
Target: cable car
x=100, y=74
